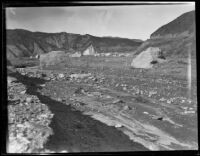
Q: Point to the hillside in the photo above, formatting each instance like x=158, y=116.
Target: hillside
x=22, y=43
x=174, y=38
x=184, y=24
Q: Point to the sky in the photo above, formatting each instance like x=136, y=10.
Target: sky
x=133, y=21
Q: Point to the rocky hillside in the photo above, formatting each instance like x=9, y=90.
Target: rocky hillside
x=183, y=25
x=176, y=38
x=22, y=43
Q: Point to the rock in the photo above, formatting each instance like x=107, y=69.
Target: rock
x=127, y=107
x=29, y=99
x=117, y=85
x=118, y=125
x=23, y=92
x=42, y=85
x=124, y=88
x=59, y=99
x=43, y=75
x=162, y=99
x=10, y=80
x=157, y=117
x=169, y=101
x=76, y=76
x=118, y=101
x=52, y=58
x=188, y=112
x=61, y=75
x=47, y=78
x=79, y=90
x=96, y=93
x=145, y=113
x=152, y=93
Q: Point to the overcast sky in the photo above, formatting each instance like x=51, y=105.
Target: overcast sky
x=135, y=22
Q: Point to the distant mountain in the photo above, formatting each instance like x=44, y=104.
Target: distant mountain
x=183, y=25
x=24, y=43
x=175, y=37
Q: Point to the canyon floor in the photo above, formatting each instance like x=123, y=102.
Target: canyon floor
x=108, y=106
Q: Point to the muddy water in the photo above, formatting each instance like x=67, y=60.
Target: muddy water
x=75, y=132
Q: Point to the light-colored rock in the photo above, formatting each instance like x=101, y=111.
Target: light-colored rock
x=23, y=92
x=42, y=85
x=144, y=59
x=127, y=107
x=10, y=79
x=76, y=76
x=28, y=99
x=52, y=58
x=61, y=75
x=118, y=125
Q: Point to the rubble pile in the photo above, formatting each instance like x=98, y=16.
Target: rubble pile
x=28, y=121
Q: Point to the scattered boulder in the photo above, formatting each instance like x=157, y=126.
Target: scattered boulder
x=23, y=92
x=118, y=101
x=42, y=85
x=127, y=107
x=51, y=58
x=79, y=90
x=76, y=76
x=118, y=125
x=157, y=117
x=59, y=99
x=61, y=75
x=147, y=58
x=29, y=99
x=10, y=80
